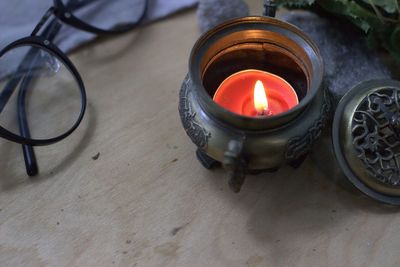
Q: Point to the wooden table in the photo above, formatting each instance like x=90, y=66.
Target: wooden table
x=146, y=201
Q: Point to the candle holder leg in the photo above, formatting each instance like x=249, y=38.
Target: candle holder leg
x=235, y=165
x=259, y=172
x=296, y=163
x=236, y=179
x=207, y=162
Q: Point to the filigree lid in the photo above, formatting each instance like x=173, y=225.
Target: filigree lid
x=366, y=138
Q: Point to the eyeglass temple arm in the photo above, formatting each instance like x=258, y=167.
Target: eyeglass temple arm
x=29, y=155
x=71, y=5
x=31, y=164
x=49, y=33
x=43, y=20
x=9, y=88
x=7, y=92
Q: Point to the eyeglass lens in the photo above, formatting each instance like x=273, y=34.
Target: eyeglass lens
x=37, y=87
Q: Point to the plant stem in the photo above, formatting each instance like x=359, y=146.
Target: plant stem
x=377, y=12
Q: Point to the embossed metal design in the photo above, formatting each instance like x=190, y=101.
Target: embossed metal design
x=300, y=146
x=375, y=132
x=250, y=43
x=194, y=130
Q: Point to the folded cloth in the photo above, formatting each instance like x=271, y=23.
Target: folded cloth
x=213, y=12
x=19, y=17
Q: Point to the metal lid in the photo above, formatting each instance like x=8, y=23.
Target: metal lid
x=366, y=138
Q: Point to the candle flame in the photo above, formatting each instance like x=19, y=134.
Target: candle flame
x=260, y=98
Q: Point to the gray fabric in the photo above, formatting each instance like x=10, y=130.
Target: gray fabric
x=348, y=60
x=213, y=12
x=19, y=17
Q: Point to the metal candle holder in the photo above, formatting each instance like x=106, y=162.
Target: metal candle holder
x=365, y=130
x=247, y=145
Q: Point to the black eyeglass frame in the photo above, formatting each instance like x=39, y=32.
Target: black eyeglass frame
x=42, y=43
x=64, y=14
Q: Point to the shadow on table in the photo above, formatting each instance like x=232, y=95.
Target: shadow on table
x=295, y=207
x=13, y=172
x=105, y=49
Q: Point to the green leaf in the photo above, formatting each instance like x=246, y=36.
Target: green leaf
x=372, y=40
x=395, y=55
x=296, y=3
x=395, y=39
x=360, y=16
x=379, y=19
x=362, y=24
x=389, y=6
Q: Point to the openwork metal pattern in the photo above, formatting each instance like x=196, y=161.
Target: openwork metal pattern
x=376, y=138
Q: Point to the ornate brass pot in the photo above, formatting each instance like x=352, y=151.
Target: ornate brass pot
x=253, y=144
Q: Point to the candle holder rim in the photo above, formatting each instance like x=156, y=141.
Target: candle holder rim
x=252, y=19
x=246, y=122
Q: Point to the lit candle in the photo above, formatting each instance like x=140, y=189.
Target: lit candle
x=256, y=93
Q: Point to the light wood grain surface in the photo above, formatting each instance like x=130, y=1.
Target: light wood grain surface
x=146, y=201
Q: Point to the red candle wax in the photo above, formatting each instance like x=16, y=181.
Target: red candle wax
x=237, y=94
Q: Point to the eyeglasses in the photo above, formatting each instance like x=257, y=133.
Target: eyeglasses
x=43, y=98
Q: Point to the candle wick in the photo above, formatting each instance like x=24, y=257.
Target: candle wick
x=265, y=112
